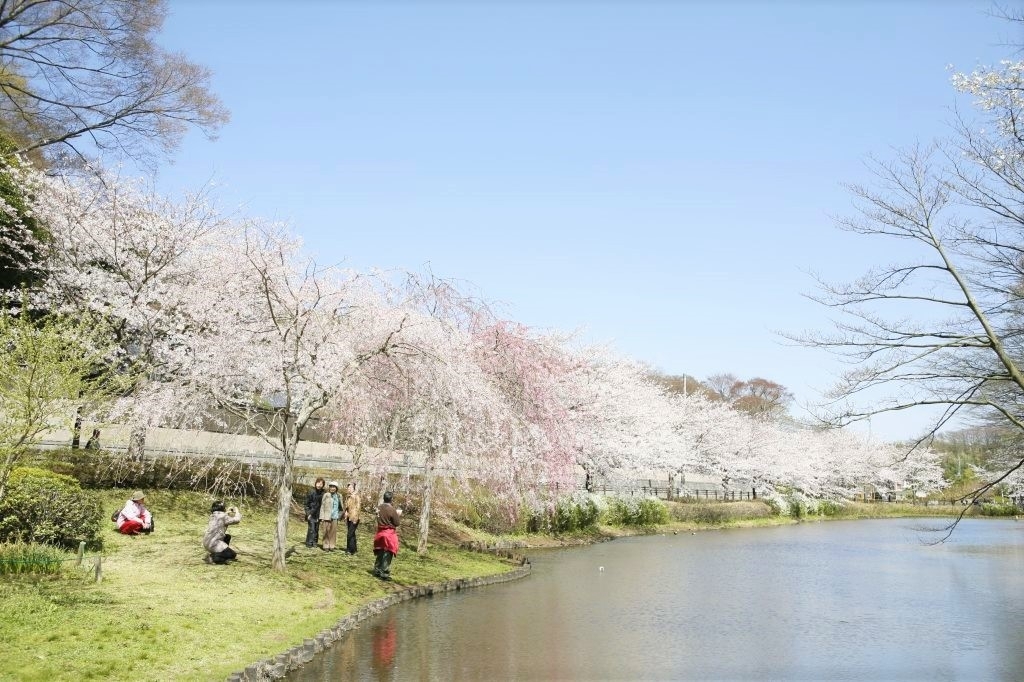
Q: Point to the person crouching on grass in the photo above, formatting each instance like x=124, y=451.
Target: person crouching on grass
x=216, y=541
x=385, y=542
x=134, y=518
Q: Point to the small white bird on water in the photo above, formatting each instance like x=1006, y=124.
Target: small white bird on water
x=600, y=568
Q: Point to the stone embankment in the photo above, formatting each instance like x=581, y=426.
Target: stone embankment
x=278, y=666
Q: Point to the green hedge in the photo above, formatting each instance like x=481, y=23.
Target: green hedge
x=999, y=508
x=636, y=511
x=568, y=514
x=41, y=506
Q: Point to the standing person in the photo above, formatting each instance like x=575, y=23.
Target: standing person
x=216, y=538
x=313, y=499
x=352, y=503
x=330, y=512
x=385, y=542
x=134, y=518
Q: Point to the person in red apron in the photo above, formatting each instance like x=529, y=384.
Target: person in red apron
x=385, y=542
x=134, y=518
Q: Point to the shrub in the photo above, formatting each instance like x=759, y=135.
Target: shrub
x=574, y=513
x=44, y=507
x=19, y=558
x=636, y=511
x=829, y=508
x=774, y=504
x=797, y=508
x=1005, y=508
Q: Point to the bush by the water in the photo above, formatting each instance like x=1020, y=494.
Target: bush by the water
x=20, y=558
x=829, y=508
x=999, y=508
x=41, y=506
x=636, y=511
x=574, y=513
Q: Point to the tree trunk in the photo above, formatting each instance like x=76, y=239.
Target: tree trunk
x=428, y=493
x=284, y=504
x=76, y=430
x=137, y=442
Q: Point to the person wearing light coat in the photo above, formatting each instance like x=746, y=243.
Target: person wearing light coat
x=330, y=512
x=216, y=540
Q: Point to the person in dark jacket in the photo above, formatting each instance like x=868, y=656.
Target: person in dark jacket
x=313, y=499
x=385, y=542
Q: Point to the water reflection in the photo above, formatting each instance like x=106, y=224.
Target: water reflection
x=385, y=640
x=830, y=601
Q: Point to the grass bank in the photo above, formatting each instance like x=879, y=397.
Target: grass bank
x=701, y=516
x=161, y=613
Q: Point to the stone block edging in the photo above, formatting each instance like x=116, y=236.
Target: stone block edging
x=275, y=667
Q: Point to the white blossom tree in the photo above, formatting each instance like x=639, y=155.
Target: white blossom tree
x=118, y=249
x=280, y=339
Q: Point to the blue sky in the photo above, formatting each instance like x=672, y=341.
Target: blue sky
x=660, y=175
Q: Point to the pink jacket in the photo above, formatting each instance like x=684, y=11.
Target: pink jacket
x=135, y=511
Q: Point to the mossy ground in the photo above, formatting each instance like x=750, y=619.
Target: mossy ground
x=161, y=613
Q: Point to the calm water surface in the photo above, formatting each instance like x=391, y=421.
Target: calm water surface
x=864, y=600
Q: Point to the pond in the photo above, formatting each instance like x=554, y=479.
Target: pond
x=837, y=600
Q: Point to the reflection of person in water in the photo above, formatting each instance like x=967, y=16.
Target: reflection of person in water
x=385, y=639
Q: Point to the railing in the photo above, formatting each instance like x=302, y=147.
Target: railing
x=679, y=493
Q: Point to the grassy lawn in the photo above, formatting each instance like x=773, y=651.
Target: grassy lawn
x=162, y=613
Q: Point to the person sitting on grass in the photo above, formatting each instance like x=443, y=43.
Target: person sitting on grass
x=134, y=518
x=216, y=540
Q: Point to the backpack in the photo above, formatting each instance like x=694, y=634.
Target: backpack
x=113, y=517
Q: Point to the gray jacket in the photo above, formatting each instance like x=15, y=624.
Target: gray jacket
x=213, y=539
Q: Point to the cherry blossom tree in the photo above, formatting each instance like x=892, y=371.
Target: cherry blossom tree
x=280, y=339
x=621, y=417
x=118, y=249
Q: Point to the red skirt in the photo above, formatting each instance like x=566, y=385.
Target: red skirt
x=386, y=539
x=130, y=527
